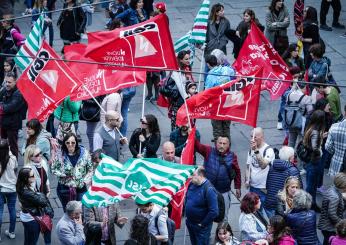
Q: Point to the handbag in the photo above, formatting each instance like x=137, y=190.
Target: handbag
x=303, y=152
x=45, y=222
x=64, y=128
x=89, y=112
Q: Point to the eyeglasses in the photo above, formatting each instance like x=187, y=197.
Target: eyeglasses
x=143, y=122
x=38, y=154
x=70, y=142
x=32, y=176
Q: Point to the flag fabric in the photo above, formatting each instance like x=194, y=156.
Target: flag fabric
x=147, y=44
x=199, y=30
x=187, y=157
x=237, y=101
x=31, y=46
x=184, y=43
x=45, y=83
x=98, y=81
x=298, y=17
x=257, y=54
x=145, y=180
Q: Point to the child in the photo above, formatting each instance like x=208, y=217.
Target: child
x=191, y=88
x=224, y=235
x=340, y=238
x=279, y=232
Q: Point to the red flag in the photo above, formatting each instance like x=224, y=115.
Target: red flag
x=45, y=83
x=256, y=53
x=145, y=44
x=237, y=100
x=99, y=81
x=187, y=157
x=298, y=17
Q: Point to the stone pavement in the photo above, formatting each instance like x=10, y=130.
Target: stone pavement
x=181, y=14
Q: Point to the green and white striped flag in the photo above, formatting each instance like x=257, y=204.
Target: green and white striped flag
x=184, y=43
x=199, y=30
x=145, y=180
x=31, y=46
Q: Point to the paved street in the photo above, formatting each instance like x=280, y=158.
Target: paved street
x=181, y=15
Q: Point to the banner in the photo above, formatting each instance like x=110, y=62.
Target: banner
x=237, y=101
x=45, y=83
x=298, y=17
x=98, y=81
x=147, y=44
x=258, y=53
x=146, y=180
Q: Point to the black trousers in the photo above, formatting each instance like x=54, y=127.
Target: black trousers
x=336, y=5
x=12, y=136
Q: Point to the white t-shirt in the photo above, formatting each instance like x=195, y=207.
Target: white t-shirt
x=258, y=176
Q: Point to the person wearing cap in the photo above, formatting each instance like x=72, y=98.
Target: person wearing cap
x=298, y=91
x=160, y=7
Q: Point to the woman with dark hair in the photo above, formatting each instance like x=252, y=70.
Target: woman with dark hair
x=33, y=204
x=73, y=167
x=38, y=136
x=171, y=89
x=313, y=137
x=318, y=68
x=252, y=225
x=134, y=14
x=279, y=232
x=139, y=232
x=311, y=33
x=277, y=22
x=71, y=22
x=145, y=141
x=8, y=179
x=224, y=235
x=292, y=58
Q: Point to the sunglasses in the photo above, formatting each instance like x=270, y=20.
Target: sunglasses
x=70, y=142
x=32, y=176
x=38, y=154
x=143, y=122
x=114, y=119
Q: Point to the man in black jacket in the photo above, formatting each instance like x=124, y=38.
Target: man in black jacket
x=12, y=105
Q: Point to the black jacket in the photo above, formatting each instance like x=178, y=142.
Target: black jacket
x=71, y=23
x=35, y=203
x=149, y=146
x=13, y=106
x=170, y=90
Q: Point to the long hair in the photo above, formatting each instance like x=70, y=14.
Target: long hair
x=133, y=4
x=23, y=179
x=279, y=228
x=4, y=155
x=35, y=125
x=283, y=194
x=214, y=9
x=181, y=56
x=64, y=147
x=139, y=229
x=153, y=125
x=223, y=226
x=287, y=54
x=311, y=15
x=272, y=5
x=317, y=122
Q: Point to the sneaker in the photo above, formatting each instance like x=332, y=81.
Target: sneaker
x=326, y=28
x=343, y=35
x=338, y=26
x=10, y=235
x=279, y=126
x=302, y=172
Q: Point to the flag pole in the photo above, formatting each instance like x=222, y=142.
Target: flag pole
x=187, y=113
x=98, y=104
x=143, y=103
x=200, y=71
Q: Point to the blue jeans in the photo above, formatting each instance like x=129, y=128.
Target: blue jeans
x=124, y=111
x=262, y=196
x=312, y=178
x=199, y=235
x=90, y=130
x=325, y=163
x=10, y=198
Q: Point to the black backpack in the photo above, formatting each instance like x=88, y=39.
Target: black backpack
x=170, y=228
x=293, y=116
x=220, y=203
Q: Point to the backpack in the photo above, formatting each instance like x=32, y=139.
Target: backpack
x=220, y=203
x=170, y=228
x=293, y=116
x=128, y=92
x=276, y=152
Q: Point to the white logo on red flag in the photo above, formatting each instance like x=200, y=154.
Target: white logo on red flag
x=143, y=47
x=51, y=78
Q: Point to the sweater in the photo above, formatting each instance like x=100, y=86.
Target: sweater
x=277, y=175
x=335, y=105
x=8, y=179
x=68, y=110
x=201, y=208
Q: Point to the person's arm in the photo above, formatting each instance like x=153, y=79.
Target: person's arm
x=213, y=209
x=36, y=198
x=332, y=210
x=264, y=161
x=237, y=179
x=82, y=20
x=18, y=37
x=133, y=143
x=329, y=146
x=89, y=220
x=286, y=22
x=66, y=236
x=162, y=228
x=249, y=227
x=248, y=170
x=98, y=141
x=15, y=104
x=204, y=150
x=270, y=25
x=122, y=16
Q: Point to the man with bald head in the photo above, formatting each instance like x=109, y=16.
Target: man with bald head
x=107, y=137
x=168, y=152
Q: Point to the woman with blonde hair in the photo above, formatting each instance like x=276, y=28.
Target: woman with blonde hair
x=285, y=196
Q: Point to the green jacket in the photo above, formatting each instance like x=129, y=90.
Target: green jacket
x=68, y=110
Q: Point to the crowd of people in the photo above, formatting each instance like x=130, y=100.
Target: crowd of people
x=279, y=206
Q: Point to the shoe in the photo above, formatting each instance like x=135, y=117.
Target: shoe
x=148, y=97
x=343, y=35
x=279, y=126
x=326, y=28
x=338, y=26
x=302, y=172
x=153, y=99
x=10, y=235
